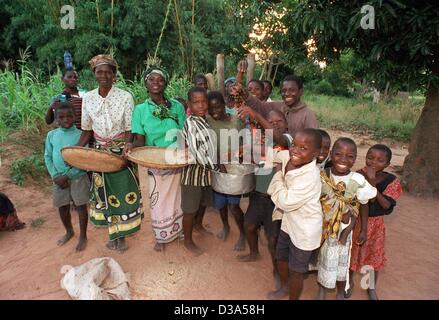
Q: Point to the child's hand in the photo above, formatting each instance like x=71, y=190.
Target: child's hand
x=277, y=168
x=370, y=175
x=362, y=238
x=242, y=66
x=62, y=181
x=245, y=111
x=127, y=149
x=343, y=237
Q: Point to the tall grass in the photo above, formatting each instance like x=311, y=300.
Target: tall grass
x=25, y=98
x=394, y=118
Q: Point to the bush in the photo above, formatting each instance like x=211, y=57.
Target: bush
x=323, y=87
x=32, y=165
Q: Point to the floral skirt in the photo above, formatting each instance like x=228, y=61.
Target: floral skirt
x=371, y=253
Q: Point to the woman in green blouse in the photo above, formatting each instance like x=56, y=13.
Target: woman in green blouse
x=154, y=123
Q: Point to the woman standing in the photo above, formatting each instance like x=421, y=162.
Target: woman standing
x=106, y=116
x=154, y=124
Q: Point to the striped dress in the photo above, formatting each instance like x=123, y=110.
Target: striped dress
x=201, y=146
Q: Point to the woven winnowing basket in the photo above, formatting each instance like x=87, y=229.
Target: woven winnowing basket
x=93, y=159
x=158, y=157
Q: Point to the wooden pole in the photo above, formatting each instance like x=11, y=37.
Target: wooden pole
x=210, y=81
x=220, y=72
x=251, y=66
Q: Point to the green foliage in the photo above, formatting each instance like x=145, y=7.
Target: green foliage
x=32, y=165
x=324, y=87
x=130, y=29
x=399, y=50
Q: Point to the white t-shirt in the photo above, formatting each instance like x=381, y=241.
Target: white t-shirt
x=365, y=192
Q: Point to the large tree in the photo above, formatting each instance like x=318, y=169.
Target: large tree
x=401, y=47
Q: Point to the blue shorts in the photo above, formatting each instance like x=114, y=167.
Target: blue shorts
x=220, y=200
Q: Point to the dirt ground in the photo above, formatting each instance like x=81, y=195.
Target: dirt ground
x=30, y=261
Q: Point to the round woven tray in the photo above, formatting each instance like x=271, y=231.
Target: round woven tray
x=158, y=157
x=93, y=159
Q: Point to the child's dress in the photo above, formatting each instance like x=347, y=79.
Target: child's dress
x=371, y=253
x=340, y=195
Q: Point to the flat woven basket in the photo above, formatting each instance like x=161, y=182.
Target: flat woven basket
x=158, y=157
x=93, y=159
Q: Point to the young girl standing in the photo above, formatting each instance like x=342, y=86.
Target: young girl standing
x=344, y=195
x=371, y=253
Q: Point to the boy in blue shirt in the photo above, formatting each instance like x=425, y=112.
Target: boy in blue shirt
x=69, y=184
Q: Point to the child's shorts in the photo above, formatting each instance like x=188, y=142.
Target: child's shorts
x=78, y=191
x=260, y=212
x=220, y=200
x=192, y=197
x=298, y=260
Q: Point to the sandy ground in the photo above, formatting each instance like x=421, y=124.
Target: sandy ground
x=30, y=261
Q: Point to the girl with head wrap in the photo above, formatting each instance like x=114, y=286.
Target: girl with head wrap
x=155, y=123
x=106, y=116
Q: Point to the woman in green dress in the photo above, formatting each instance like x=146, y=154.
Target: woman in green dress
x=155, y=123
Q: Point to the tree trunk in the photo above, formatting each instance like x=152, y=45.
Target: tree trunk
x=421, y=166
x=251, y=66
x=220, y=72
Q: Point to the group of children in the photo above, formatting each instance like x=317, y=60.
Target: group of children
x=316, y=212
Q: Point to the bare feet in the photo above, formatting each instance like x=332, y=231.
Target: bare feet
x=159, y=247
x=248, y=257
x=278, y=294
x=200, y=228
x=372, y=294
x=240, y=244
x=223, y=234
x=67, y=237
x=112, y=244
x=193, y=248
x=348, y=293
x=340, y=296
x=81, y=244
x=122, y=245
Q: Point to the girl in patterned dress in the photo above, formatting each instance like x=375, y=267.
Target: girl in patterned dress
x=371, y=253
x=344, y=197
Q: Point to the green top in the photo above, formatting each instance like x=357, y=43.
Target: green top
x=155, y=128
x=224, y=145
x=55, y=141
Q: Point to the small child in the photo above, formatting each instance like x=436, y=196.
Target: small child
x=200, y=80
x=69, y=184
x=323, y=158
x=295, y=190
x=343, y=191
x=218, y=121
x=8, y=215
x=371, y=252
x=196, y=191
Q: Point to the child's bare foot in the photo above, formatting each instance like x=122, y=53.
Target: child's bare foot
x=248, y=257
x=372, y=294
x=223, y=234
x=200, y=228
x=193, y=248
x=278, y=294
x=240, y=244
x=122, y=245
x=66, y=238
x=159, y=247
x=112, y=244
x=348, y=293
x=340, y=296
x=82, y=243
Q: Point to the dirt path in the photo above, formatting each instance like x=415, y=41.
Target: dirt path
x=30, y=261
